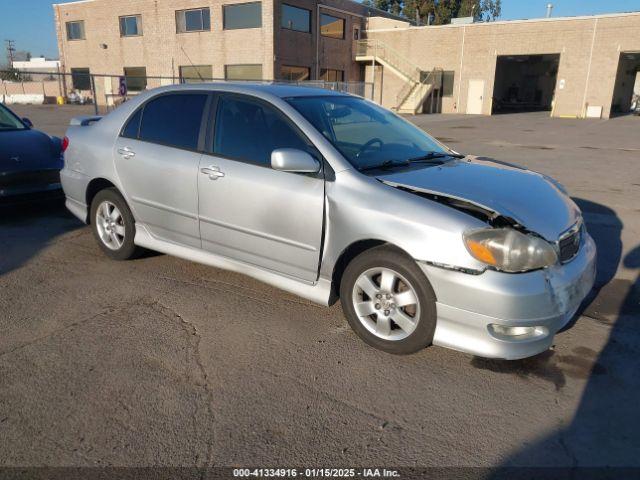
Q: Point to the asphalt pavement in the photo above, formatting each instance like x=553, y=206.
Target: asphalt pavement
x=160, y=361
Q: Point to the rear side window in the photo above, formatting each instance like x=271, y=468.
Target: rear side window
x=248, y=130
x=132, y=127
x=173, y=120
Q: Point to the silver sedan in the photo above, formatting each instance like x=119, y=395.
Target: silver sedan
x=329, y=196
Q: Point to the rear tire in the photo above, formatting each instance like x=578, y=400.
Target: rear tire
x=388, y=301
x=113, y=225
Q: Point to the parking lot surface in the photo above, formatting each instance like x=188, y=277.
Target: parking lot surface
x=160, y=361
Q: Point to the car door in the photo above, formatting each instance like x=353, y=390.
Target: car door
x=157, y=158
x=249, y=211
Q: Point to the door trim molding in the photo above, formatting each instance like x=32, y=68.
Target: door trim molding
x=255, y=233
x=160, y=206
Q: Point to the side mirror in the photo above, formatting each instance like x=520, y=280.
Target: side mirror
x=292, y=160
x=27, y=122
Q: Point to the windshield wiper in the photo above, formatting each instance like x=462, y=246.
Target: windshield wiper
x=433, y=155
x=404, y=163
x=383, y=165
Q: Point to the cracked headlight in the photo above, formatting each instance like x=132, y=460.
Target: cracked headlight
x=509, y=250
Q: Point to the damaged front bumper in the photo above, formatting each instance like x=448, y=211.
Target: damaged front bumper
x=509, y=316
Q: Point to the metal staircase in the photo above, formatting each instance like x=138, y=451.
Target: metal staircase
x=417, y=86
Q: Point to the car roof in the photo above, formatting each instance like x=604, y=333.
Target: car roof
x=281, y=90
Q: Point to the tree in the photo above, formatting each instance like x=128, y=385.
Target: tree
x=391, y=6
x=442, y=11
x=423, y=7
x=22, y=56
x=491, y=10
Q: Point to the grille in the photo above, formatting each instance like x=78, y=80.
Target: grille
x=569, y=245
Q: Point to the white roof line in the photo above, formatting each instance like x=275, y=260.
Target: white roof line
x=510, y=22
x=71, y=3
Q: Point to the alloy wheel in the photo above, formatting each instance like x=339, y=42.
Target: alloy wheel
x=110, y=225
x=386, y=303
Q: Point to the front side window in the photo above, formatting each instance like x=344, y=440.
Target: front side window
x=363, y=132
x=196, y=20
x=136, y=78
x=238, y=117
x=196, y=73
x=8, y=121
x=243, y=72
x=131, y=26
x=81, y=78
x=242, y=15
x=75, y=30
x=295, y=74
x=294, y=18
x=331, y=26
x=331, y=75
x=173, y=120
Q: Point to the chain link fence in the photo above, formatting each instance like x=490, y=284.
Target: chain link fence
x=106, y=92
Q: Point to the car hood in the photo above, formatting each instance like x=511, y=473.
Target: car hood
x=532, y=200
x=22, y=150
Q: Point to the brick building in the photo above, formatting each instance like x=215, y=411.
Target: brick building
x=575, y=66
x=220, y=39
x=572, y=66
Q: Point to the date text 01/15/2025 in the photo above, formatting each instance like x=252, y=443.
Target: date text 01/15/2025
x=315, y=473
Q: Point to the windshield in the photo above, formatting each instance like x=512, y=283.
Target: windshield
x=366, y=134
x=8, y=121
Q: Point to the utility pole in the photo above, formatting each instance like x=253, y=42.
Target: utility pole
x=11, y=50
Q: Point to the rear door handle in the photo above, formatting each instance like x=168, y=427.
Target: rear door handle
x=126, y=153
x=213, y=171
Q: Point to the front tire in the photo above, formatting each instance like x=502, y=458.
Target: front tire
x=388, y=301
x=113, y=225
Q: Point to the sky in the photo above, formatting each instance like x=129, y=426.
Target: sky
x=30, y=22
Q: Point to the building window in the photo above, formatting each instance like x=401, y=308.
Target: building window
x=75, y=30
x=331, y=26
x=242, y=15
x=294, y=18
x=356, y=33
x=131, y=26
x=243, y=72
x=196, y=20
x=195, y=73
x=447, y=83
x=295, y=74
x=330, y=75
x=81, y=78
x=136, y=78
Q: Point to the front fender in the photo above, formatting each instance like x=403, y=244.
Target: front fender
x=362, y=208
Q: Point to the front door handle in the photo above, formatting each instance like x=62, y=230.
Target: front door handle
x=213, y=172
x=126, y=153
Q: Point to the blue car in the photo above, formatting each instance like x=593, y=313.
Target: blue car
x=30, y=160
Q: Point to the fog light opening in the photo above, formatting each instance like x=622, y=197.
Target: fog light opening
x=516, y=332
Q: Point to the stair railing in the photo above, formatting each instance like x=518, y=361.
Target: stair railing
x=413, y=89
x=376, y=48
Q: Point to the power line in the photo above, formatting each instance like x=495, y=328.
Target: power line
x=11, y=50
